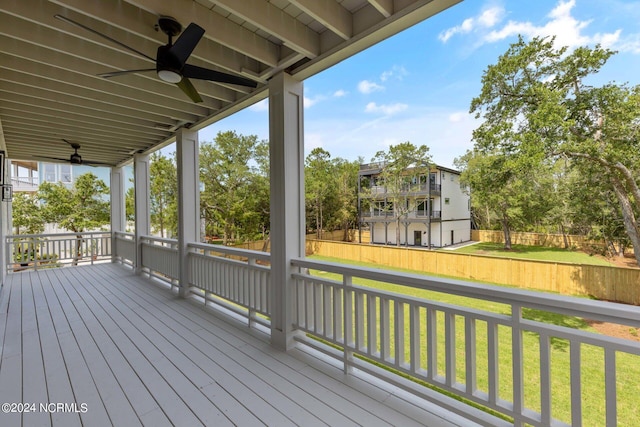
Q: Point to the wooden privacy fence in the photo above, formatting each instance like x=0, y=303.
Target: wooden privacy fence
x=536, y=239
x=601, y=282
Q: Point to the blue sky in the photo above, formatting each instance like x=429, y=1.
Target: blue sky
x=417, y=86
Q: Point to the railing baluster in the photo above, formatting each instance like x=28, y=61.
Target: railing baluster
x=385, y=328
x=517, y=364
x=399, y=333
x=450, y=347
x=576, y=382
x=610, y=367
x=348, y=323
x=360, y=320
x=432, y=343
x=414, y=341
x=470, y=354
x=545, y=379
x=493, y=362
x=372, y=326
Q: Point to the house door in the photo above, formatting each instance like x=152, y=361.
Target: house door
x=417, y=238
x=452, y=237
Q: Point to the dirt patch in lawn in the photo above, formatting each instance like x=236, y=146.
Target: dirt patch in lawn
x=615, y=330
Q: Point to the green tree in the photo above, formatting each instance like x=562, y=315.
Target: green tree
x=402, y=166
x=235, y=197
x=535, y=104
x=163, y=188
x=81, y=208
x=509, y=190
x=319, y=186
x=26, y=214
x=345, y=214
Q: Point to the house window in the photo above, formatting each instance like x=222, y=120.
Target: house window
x=49, y=172
x=65, y=174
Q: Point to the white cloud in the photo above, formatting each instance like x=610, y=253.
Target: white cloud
x=397, y=71
x=386, y=109
x=488, y=18
x=458, y=116
x=366, y=87
x=567, y=30
x=308, y=102
x=340, y=93
x=260, y=106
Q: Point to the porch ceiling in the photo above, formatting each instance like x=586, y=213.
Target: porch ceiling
x=49, y=89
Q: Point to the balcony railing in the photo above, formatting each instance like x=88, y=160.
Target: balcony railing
x=35, y=251
x=422, y=338
x=25, y=183
x=476, y=354
x=411, y=215
x=421, y=188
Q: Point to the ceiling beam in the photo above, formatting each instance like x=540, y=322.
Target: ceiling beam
x=275, y=21
x=216, y=27
x=330, y=14
x=385, y=7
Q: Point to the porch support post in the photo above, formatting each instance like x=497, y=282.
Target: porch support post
x=188, y=165
x=286, y=149
x=118, y=215
x=142, y=211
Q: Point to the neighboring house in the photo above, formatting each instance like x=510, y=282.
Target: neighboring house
x=435, y=211
x=24, y=176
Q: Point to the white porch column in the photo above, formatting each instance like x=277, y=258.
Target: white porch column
x=286, y=149
x=142, y=211
x=118, y=214
x=188, y=165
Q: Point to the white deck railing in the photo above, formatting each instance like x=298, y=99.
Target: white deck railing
x=418, y=337
x=160, y=258
x=35, y=251
x=237, y=279
x=476, y=354
x=124, y=247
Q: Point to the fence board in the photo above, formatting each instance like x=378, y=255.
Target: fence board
x=602, y=282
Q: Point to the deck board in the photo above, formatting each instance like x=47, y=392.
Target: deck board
x=137, y=354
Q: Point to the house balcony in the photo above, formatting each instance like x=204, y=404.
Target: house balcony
x=121, y=348
x=415, y=216
x=422, y=189
x=25, y=184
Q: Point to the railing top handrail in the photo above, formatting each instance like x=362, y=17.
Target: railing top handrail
x=124, y=233
x=591, y=309
x=160, y=239
x=84, y=233
x=259, y=255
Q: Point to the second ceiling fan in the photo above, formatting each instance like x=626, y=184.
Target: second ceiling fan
x=171, y=58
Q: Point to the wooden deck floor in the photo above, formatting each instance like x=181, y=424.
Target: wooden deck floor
x=127, y=352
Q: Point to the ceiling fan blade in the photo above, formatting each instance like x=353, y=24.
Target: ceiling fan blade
x=188, y=88
x=45, y=158
x=96, y=163
x=120, y=73
x=200, y=73
x=186, y=42
x=104, y=36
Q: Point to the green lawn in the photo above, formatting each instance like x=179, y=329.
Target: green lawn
x=539, y=253
x=592, y=357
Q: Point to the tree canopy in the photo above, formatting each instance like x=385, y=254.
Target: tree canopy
x=538, y=107
x=82, y=207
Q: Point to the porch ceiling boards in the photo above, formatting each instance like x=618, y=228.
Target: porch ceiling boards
x=136, y=354
x=49, y=89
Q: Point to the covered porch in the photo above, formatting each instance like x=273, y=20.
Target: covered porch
x=135, y=353
x=179, y=332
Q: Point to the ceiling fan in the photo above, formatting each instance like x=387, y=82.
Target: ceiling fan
x=75, y=158
x=171, y=58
